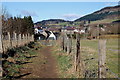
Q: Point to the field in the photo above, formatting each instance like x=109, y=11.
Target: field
x=89, y=53
x=103, y=21
x=89, y=57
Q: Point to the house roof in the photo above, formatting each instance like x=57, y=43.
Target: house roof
x=53, y=29
x=70, y=28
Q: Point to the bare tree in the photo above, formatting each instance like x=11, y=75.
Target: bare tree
x=0, y=28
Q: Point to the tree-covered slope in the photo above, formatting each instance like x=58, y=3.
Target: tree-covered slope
x=107, y=12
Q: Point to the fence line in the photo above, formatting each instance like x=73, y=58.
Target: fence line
x=9, y=41
x=98, y=65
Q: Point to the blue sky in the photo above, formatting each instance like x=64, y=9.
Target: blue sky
x=54, y=10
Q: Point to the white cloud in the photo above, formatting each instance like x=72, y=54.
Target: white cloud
x=71, y=16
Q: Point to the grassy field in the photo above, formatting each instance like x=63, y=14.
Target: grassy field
x=103, y=21
x=89, y=53
x=89, y=56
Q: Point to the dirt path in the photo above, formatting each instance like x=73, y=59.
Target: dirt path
x=43, y=65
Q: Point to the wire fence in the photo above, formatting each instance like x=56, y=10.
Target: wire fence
x=9, y=41
x=91, y=58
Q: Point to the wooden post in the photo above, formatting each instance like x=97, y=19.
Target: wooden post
x=68, y=45
x=19, y=40
x=14, y=41
x=9, y=40
x=74, y=52
x=32, y=37
x=70, y=50
x=102, y=58
x=98, y=31
x=78, y=51
x=26, y=38
x=15, y=38
x=63, y=42
x=23, y=39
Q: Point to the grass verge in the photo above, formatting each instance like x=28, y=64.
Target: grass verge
x=12, y=64
x=65, y=63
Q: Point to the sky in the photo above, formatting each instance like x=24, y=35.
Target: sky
x=54, y=10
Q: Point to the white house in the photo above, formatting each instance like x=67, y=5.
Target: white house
x=82, y=31
x=102, y=29
x=36, y=31
x=76, y=30
x=79, y=31
x=52, y=36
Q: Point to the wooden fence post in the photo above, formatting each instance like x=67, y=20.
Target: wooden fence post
x=23, y=39
x=68, y=45
x=102, y=58
x=63, y=39
x=77, y=55
x=66, y=38
x=65, y=42
x=26, y=38
x=9, y=40
x=19, y=40
x=15, y=38
x=32, y=36
x=14, y=41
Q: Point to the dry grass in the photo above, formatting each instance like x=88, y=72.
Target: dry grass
x=109, y=36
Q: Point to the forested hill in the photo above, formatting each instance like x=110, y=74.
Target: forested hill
x=109, y=13
x=51, y=21
x=105, y=13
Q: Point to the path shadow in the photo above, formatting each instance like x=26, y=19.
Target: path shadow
x=19, y=62
x=17, y=77
x=20, y=76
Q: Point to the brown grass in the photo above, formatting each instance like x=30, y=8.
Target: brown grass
x=109, y=36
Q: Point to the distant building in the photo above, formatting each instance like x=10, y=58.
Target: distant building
x=68, y=30
x=36, y=30
x=52, y=36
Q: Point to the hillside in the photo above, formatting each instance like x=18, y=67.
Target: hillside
x=105, y=13
x=51, y=21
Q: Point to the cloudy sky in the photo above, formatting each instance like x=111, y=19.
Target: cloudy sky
x=54, y=10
